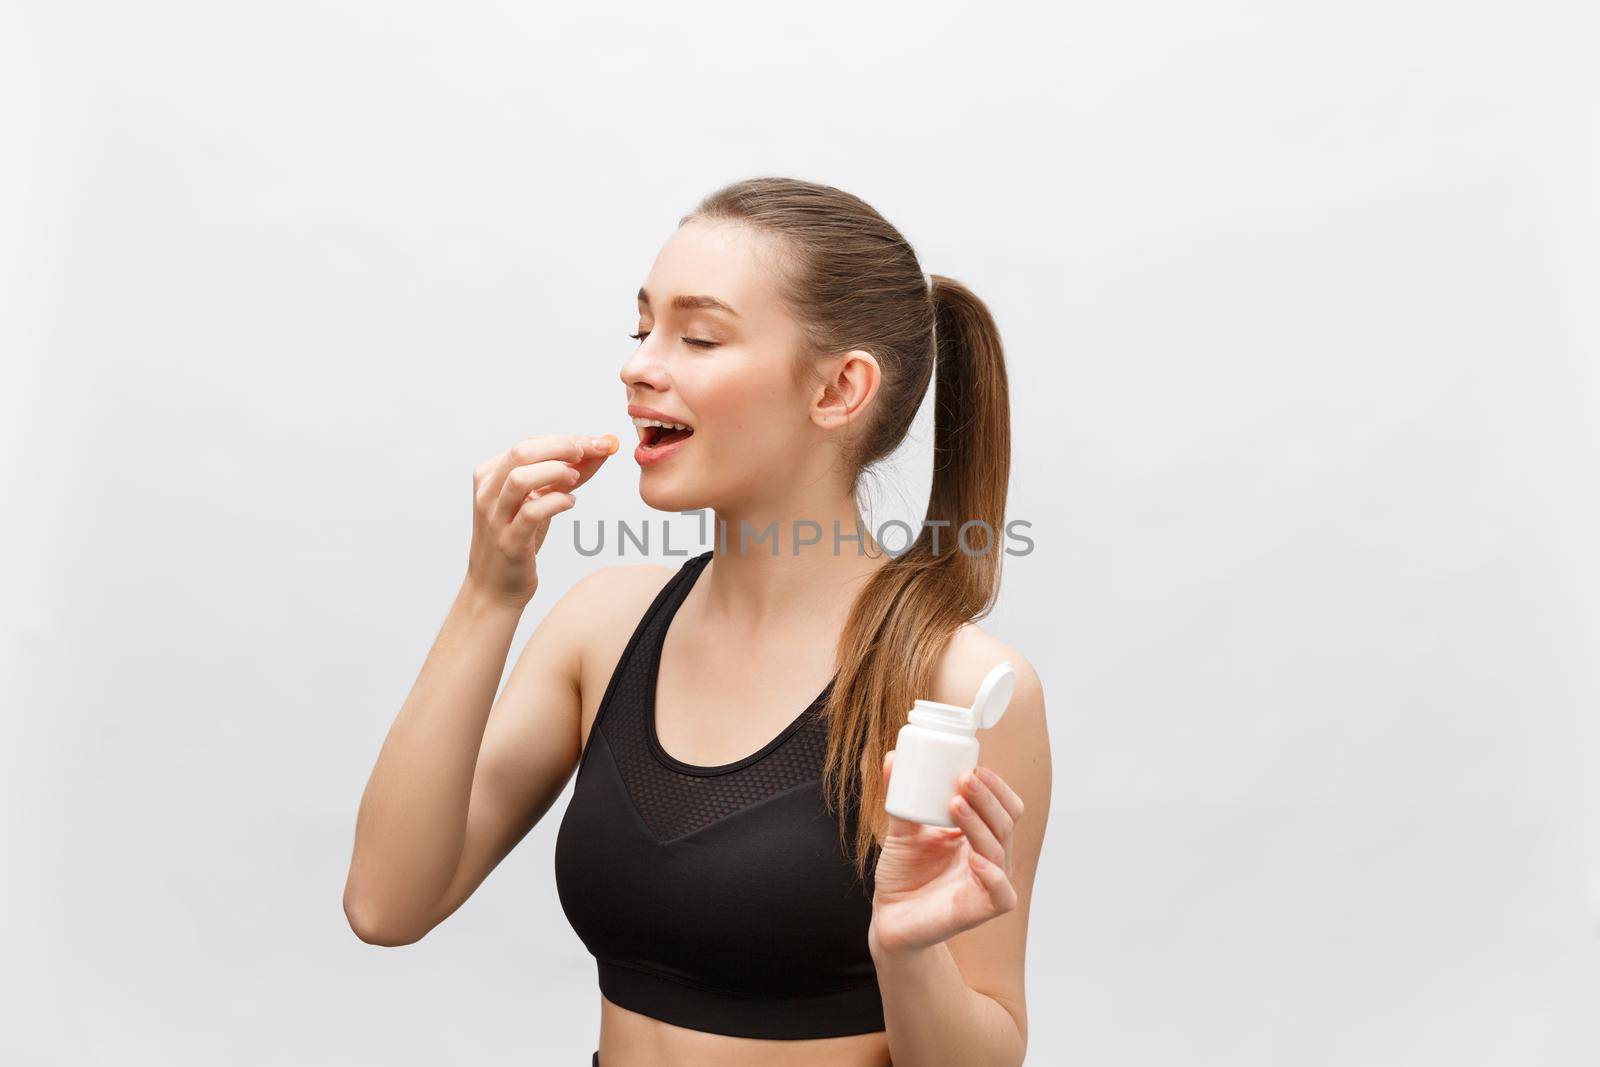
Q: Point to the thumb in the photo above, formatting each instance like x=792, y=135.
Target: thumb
x=596, y=450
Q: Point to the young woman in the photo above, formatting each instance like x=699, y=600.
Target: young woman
x=726, y=855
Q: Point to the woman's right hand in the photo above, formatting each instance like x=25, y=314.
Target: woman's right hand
x=514, y=497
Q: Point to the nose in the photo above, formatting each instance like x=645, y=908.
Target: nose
x=643, y=369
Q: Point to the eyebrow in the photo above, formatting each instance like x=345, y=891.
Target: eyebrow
x=691, y=303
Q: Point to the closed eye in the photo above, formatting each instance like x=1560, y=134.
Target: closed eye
x=698, y=343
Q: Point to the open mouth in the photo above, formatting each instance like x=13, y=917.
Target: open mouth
x=657, y=433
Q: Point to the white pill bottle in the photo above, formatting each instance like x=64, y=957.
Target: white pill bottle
x=939, y=742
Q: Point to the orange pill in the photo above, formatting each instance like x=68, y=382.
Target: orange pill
x=612, y=443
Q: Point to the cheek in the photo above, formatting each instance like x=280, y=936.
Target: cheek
x=740, y=410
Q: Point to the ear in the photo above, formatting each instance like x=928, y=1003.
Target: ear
x=849, y=381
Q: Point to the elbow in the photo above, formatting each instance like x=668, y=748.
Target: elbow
x=371, y=926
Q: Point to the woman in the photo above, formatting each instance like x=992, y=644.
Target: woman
x=731, y=718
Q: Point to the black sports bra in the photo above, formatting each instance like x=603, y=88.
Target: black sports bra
x=714, y=898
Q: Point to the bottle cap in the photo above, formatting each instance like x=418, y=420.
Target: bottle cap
x=994, y=695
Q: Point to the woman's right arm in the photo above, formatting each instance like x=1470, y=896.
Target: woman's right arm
x=435, y=819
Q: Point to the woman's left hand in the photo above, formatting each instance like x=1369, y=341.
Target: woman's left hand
x=932, y=882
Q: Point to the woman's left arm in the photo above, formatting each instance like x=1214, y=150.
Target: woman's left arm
x=950, y=906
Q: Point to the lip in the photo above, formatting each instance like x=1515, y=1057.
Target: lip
x=639, y=411
x=646, y=456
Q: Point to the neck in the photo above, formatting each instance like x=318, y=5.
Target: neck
x=788, y=563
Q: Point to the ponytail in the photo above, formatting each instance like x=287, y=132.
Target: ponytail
x=906, y=614
x=853, y=281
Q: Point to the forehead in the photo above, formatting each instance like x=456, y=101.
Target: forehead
x=728, y=262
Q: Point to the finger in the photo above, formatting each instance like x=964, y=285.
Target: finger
x=528, y=450
x=1002, y=789
x=491, y=476
x=1002, y=894
x=539, y=509
x=981, y=797
x=530, y=480
x=596, y=451
x=979, y=833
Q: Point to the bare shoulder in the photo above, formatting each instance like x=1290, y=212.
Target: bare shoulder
x=1018, y=747
x=608, y=590
x=970, y=655
x=606, y=606
x=611, y=598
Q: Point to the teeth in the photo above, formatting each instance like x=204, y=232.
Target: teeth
x=657, y=422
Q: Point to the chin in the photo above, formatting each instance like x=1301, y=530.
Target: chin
x=661, y=492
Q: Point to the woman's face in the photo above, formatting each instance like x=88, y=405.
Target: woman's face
x=716, y=355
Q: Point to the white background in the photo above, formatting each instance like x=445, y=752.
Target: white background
x=1299, y=304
